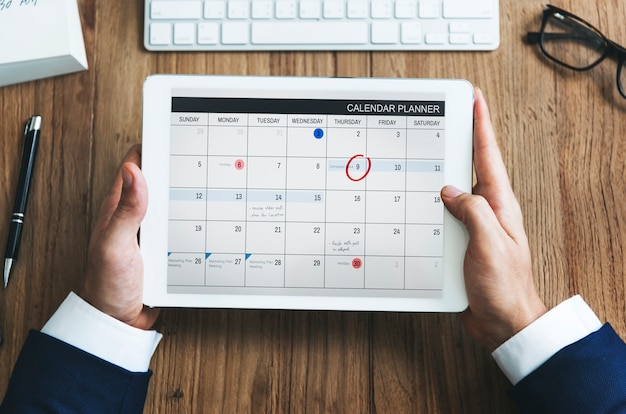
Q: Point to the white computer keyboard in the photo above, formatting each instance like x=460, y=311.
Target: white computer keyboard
x=250, y=25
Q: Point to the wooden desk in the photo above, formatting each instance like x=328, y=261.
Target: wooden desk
x=563, y=137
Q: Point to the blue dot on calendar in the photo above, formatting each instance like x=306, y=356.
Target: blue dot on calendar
x=318, y=133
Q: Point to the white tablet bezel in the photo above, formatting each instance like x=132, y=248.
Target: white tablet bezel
x=157, y=102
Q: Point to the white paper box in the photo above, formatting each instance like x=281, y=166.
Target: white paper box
x=39, y=39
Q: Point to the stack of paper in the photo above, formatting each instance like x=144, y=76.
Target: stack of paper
x=39, y=39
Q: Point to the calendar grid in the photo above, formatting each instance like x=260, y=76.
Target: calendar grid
x=306, y=199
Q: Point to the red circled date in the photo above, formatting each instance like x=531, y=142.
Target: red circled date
x=367, y=170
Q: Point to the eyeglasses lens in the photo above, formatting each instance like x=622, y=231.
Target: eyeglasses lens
x=571, y=41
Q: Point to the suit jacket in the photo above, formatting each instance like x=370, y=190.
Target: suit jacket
x=588, y=376
x=51, y=376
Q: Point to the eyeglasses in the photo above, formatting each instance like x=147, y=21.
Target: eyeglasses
x=575, y=44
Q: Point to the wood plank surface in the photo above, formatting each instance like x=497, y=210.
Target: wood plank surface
x=563, y=138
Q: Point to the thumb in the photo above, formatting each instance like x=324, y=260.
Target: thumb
x=473, y=210
x=133, y=202
x=453, y=199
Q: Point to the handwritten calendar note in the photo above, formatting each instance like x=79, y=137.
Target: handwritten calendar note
x=316, y=194
x=7, y=4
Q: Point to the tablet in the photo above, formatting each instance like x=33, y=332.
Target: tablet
x=304, y=193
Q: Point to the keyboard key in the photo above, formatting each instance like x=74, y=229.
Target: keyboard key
x=385, y=32
x=382, y=9
x=483, y=38
x=286, y=9
x=310, y=9
x=436, y=38
x=238, y=9
x=411, y=33
x=460, y=38
x=160, y=33
x=459, y=27
x=311, y=33
x=184, y=33
x=235, y=33
x=358, y=9
x=463, y=9
x=262, y=9
x=333, y=9
x=208, y=33
x=214, y=9
x=406, y=9
x=429, y=9
x=176, y=10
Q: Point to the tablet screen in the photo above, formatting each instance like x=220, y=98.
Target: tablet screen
x=293, y=193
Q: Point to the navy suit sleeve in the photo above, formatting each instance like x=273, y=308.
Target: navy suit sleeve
x=588, y=376
x=53, y=377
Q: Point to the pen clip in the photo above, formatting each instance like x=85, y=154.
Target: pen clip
x=33, y=123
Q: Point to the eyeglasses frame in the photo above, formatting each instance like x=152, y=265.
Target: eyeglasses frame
x=611, y=49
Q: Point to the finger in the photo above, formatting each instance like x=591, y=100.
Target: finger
x=473, y=211
x=491, y=172
x=112, y=199
x=491, y=175
x=131, y=208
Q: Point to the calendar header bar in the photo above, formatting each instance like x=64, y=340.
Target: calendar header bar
x=428, y=108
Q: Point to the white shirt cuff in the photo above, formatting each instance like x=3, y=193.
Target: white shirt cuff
x=79, y=324
x=530, y=348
